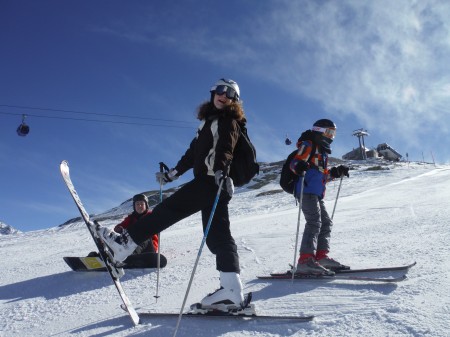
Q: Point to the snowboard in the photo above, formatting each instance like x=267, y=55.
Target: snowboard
x=96, y=264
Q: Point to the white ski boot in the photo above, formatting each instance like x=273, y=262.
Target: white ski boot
x=245, y=309
x=121, y=245
x=228, y=297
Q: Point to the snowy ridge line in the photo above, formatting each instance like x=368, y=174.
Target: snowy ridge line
x=432, y=172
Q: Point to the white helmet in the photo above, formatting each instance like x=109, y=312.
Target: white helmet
x=229, y=87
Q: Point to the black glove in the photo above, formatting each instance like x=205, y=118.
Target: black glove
x=118, y=229
x=341, y=170
x=301, y=167
x=227, y=184
x=166, y=177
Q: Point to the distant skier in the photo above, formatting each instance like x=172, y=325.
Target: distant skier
x=140, y=209
x=311, y=161
x=208, y=155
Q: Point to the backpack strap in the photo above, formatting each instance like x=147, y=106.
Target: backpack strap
x=313, y=151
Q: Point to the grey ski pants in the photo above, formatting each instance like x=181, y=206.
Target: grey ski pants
x=318, y=225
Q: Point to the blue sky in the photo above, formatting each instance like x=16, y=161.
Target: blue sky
x=76, y=69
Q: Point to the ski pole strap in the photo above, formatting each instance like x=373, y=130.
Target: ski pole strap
x=163, y=167
x=226, y=170
x=225, y=174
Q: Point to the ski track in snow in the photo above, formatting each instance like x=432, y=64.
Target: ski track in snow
x=389, y=217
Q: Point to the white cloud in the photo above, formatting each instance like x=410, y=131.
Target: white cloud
x=381, y=63
x=375, y=61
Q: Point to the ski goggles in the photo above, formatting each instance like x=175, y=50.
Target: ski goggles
x=223, y=89
x=326, y=132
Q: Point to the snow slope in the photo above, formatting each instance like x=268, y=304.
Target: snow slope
x=384, y=217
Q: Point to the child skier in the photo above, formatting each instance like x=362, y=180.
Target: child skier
x=311, y=162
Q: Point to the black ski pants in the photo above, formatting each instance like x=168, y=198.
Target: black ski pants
x=197, y=195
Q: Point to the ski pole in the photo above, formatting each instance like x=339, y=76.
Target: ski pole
x=162, y=167
x=205, y=235
x=337, y=196
x=302, y=178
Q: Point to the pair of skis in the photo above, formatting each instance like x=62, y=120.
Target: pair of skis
x=343, y=275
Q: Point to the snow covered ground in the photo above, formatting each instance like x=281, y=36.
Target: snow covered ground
x=384, y=217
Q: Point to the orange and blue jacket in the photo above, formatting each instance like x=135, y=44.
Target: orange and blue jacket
x=317, y=175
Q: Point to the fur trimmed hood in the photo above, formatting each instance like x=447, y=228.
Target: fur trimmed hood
x=234, y=110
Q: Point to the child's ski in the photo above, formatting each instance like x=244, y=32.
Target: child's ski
x=288, y=276
x=376, y=269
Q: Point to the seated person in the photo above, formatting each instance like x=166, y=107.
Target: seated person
x=140, y=209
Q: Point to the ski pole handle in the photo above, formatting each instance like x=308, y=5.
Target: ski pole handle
x=227, y=168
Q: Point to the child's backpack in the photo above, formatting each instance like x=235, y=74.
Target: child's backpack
x=244, y=166
x=288, y=179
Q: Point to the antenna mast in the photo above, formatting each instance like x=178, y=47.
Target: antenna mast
x=360, y=133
